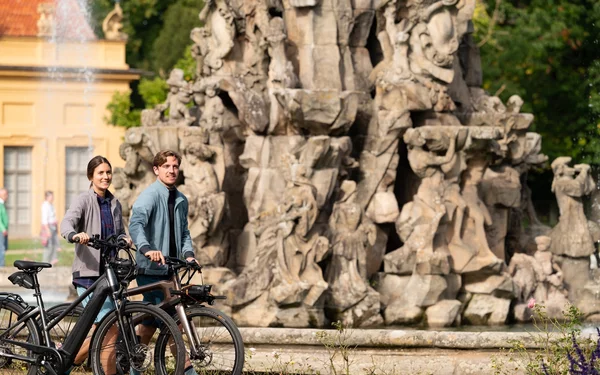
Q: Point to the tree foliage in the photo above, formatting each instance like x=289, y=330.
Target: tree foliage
x=159, y=40
x=547, y=52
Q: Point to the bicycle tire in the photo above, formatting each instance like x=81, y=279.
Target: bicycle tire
x=9, y=366
x=123, y=361
x=59, y=332
x=221, y=341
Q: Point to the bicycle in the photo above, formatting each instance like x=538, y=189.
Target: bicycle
x=26, y=344
x=213, y=342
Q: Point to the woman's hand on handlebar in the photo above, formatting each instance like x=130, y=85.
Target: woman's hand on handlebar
x=155, y=256
x=127, y=240
x=82, y=238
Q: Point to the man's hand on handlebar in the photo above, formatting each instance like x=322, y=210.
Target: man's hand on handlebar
x=194, y=262
x=155, y=256
x=82, y=238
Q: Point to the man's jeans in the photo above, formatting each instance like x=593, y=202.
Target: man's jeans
x=3, y=248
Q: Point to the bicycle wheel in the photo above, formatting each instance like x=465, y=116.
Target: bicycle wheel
x=59, y=332
x=109, y=354
x=27, y=331
x=221, y=349
x=62, y=329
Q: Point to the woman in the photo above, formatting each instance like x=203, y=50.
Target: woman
x=95, y=211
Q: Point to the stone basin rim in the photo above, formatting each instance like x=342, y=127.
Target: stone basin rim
x=397, y=338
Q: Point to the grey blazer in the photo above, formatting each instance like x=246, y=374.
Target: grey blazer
x=84, y=216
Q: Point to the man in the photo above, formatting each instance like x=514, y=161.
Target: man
x=49, y=229
x=3, y=225
x=159, y=227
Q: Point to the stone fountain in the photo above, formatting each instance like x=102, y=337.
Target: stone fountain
x=322, y=133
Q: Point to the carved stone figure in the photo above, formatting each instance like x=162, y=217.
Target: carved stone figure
x=501, y=191
x=200, y=36
x=474, y=254
x=281, y=73
x=212, y=118
x=46, y=25
x=137, y=170
x=553, y=279
x=123, y=193
x=218, y=18
x=180, y=94
x=290, y=110
x=527, y=274
x=571, y=236
x=205, y=199
x=353, y=235
x=113, y=24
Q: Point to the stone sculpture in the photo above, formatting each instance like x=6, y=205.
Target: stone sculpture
x=538, y=277
x=281, y=74
x=288, y=250
x=350, y=298
x=218, y=19
x=177, y=99
x=291, y=110
x=113, y=24
x=206, y=201
x=46, y=25
x=571, y=236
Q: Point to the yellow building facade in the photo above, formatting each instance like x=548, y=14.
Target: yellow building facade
x=53, y=99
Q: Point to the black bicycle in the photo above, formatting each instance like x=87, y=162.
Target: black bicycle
x=213, y=342
x=26, y=343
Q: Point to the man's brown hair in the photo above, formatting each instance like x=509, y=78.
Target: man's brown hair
x=161, y=157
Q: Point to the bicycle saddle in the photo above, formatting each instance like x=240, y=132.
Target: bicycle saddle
x=27, y=265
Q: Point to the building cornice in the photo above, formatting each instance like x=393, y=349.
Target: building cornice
x=71, y=73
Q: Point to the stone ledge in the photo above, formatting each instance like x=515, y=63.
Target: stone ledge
x=298, y=351
x=391, y=338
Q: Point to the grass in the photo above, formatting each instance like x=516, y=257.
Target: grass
x=33, y=244
x=32, y=249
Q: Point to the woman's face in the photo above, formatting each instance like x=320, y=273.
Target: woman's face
x=102, y=177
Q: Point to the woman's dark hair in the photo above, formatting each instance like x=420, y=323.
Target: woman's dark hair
x=96, y=161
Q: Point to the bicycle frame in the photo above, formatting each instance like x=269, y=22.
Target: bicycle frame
x=106, y=286
x=170, y=300
x=66, y=354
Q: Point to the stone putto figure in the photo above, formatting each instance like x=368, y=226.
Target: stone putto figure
x=180, y=94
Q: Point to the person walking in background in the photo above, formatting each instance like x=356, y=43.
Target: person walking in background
x=159, y=228
x=49, y=233
x=3, y=225
x=95, y=211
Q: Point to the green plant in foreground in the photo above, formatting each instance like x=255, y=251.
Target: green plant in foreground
x=553, y=342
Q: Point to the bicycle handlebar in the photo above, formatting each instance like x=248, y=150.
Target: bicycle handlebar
x=177, y=263
x=110, y=242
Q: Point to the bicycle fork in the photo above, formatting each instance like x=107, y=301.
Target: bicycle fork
x=190, y=331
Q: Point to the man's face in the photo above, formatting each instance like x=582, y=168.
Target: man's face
x=4, y=195
x=50, y=198
x=168, y=172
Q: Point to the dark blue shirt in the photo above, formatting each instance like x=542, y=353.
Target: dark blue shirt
x=107, y=229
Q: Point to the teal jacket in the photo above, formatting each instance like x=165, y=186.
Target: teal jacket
x=3, y=218
x=149, y=227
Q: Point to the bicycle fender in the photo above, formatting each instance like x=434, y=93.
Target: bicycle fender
x=12, y=297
